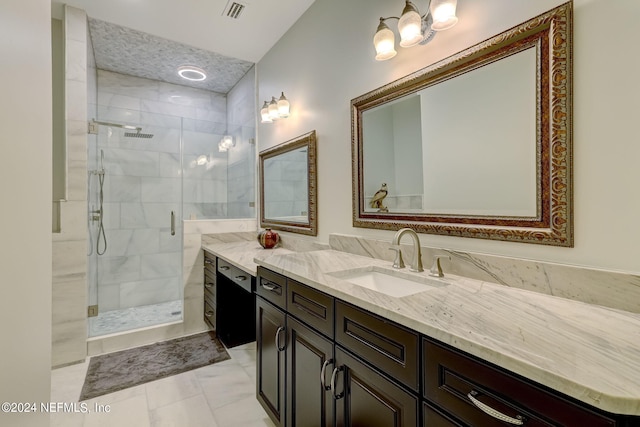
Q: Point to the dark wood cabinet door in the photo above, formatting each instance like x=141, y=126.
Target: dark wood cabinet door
x=270, y=359
x=309, y=358
x=367, y=399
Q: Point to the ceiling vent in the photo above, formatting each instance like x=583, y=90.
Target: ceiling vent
x=233, y=9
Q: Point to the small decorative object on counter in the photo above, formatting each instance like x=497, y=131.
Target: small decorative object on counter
x=268, y=238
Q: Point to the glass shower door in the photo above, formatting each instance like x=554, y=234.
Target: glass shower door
x=138, y=256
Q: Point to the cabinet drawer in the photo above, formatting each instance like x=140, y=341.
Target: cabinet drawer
x=210, y=314
x=272, y=287
x=236, y=275
x=311, y=306
x=209, y=263
x=390, y=347
x=210, y=288
x=452, y=379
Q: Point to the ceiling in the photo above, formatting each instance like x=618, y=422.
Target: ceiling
x=151, y=38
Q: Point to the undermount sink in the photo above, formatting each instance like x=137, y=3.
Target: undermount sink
x=389, y=282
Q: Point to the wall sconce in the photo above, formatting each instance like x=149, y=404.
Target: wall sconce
x=413, y=28
x=274, y=110
x=226, y=143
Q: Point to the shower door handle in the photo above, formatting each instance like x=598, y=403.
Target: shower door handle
x=173, y=223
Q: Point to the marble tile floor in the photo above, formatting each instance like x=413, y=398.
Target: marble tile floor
x=127, y=319
x=218, y=395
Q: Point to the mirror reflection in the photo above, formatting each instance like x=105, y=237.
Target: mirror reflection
x=466, y=146
x=288, y=186
x=286, y=195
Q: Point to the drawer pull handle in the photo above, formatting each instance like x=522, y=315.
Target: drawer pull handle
x=208, y=285
x=322, y=373
x=280, y=329
x=268, y=286
x=208, y=261
x=241, y=278
x=209, y=313
x=224, y=267
x=519, y=420
x=334, y=374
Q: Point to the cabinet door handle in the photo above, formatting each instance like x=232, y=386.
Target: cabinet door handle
x=268, y=286
x=333, y=382
x=209, y=313
x=241, y=278
x=208, y=285
x=519, y=420
x=224, y=267
x=173, y=223
x=322, y=373
x=280, y=329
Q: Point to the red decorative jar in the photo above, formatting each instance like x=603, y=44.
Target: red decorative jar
x=268, y=238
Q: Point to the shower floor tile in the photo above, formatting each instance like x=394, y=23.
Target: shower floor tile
x=127, y=319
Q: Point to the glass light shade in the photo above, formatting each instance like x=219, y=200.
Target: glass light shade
x=201, y=160
x=273, y=109
x=227, y=142
x=264, y=113
x=283, y=107
x=384, y=42
x=221, y=148
x=444, y=14
x=410, y=26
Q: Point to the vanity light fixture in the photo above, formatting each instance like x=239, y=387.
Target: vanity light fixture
x=275, y=110
x=414, y=28
x=191, y=73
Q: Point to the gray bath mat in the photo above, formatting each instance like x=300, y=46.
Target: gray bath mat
x=123, y=369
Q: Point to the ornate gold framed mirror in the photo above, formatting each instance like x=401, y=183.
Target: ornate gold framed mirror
x=288, y=189
x=476, y=145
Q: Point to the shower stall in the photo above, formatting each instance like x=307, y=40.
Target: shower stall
x=145, y=176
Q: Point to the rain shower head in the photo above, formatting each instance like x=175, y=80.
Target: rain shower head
x=138, y=134
x=93, y=128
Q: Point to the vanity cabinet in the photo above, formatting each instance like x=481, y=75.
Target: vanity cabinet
x=294, y=352
x=327, y=378
x=325, y=362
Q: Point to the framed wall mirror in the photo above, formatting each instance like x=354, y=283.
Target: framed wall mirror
x=476, y=145
x=288, y=189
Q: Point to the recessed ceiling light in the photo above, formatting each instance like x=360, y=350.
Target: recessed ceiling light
x=189, y=72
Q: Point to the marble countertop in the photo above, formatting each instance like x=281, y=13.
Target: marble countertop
x=588, y=352
x=242, y=254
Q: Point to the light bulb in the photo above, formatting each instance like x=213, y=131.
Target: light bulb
x=384, y=42
x=273, y=109
x=444, y=14
x=264, y=113
x=283, y=107
x=410, y=26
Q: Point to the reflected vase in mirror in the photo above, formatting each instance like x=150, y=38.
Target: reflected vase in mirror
x=268, y=239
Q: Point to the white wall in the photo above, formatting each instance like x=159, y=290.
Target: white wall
x=326, y=60
x=25, y=183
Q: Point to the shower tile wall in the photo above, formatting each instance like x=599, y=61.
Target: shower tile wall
x=241, y=175
x=143, y=183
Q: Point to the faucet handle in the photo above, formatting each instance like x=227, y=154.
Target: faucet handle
x=398, y=262
x=436, y=269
